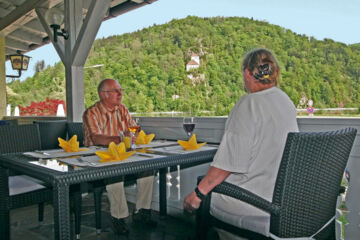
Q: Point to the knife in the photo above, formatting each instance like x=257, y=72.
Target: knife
x=144, y=155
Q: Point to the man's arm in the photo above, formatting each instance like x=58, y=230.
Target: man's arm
x=214, y=177
x=104, y=140
x=92, y=130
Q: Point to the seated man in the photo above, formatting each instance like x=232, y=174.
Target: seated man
x=250, y=151
x=108, y=121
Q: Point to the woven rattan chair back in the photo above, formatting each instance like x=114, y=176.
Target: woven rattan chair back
x=76, y=128
x=14, y=139
x=19, y=138
x=308, y=181
x=96, y=187
x=50, y=131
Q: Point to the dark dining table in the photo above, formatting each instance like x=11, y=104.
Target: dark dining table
x=61, y=180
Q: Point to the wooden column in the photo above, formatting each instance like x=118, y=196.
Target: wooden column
x=74, y=51
x=75, y=97
x=2, y=79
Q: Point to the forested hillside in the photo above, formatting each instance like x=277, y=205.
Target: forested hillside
x=150, y=65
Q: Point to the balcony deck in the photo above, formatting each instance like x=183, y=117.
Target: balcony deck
x=24, y=225
x=179, y=226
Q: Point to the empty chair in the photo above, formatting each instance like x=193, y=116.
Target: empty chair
x=23, y=190
x=50, y=130
x=19, y=138
x=305, y=193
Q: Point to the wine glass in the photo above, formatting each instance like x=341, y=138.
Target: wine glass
x=133, y=129
x=189, y=125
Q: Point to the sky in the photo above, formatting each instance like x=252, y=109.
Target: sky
x=333, y=19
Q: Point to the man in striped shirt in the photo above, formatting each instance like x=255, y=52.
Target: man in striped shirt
x=108, y=121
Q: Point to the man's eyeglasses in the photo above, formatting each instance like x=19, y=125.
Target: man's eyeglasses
x=114, y=90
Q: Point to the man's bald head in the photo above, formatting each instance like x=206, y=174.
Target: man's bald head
x=110, y=92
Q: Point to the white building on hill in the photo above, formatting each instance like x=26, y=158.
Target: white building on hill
x=193, y=63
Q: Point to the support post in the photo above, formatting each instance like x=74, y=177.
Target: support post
x=2, y=79
x=74, y=51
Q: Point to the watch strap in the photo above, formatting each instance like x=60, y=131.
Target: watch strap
x=199, y=194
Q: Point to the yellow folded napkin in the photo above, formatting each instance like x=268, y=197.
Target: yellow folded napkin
x=191, y=144
x=70, y=146
x=114, y=153
x=142, y=138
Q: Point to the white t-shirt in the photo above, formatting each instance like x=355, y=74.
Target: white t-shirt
x=251, y=149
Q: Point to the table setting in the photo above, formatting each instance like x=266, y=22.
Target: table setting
x=142, y=148
x=71, y=165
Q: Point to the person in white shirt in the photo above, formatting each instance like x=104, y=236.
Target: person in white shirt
x=250, y=151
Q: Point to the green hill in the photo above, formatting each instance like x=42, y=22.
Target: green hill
x=150, y=65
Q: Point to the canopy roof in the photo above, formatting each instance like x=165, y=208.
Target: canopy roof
x=21, y=26
x=25, y=25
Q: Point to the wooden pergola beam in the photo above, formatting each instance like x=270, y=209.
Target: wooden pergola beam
x=18, y=13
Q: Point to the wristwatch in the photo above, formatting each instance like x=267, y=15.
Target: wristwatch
x=199, y=194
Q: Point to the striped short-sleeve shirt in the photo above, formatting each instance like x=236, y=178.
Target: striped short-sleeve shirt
x=97, y=119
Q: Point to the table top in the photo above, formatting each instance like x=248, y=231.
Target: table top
x=75, y=169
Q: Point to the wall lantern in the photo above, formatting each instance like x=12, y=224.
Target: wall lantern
x=55, y=18
x=18, y=62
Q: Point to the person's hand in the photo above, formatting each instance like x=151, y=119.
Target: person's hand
x=191, y=202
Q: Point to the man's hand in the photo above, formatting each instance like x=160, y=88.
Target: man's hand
x=104, y=140
x=214, y=177
x=191, y=202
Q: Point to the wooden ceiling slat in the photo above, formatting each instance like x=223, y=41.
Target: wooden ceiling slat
x=35, y=27
x=16, y=45
x=18, y=13
x=20, y=24
x=4, y=12
x=22, y=36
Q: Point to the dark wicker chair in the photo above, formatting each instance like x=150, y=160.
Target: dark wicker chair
x=50, y=130
x=96, y=187
x=22, y=138
x=76, y=128
x=24, y=190
x=305, y=193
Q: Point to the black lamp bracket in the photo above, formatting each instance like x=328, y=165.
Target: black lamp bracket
x=14, y=76
x=57, y=33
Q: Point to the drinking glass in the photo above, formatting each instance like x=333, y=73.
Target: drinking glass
x=189, y=125
x=133, y=129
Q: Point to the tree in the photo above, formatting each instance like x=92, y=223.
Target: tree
x=39, y=66
x=150, y=66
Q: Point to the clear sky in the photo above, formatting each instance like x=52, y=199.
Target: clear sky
x=335, y=19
